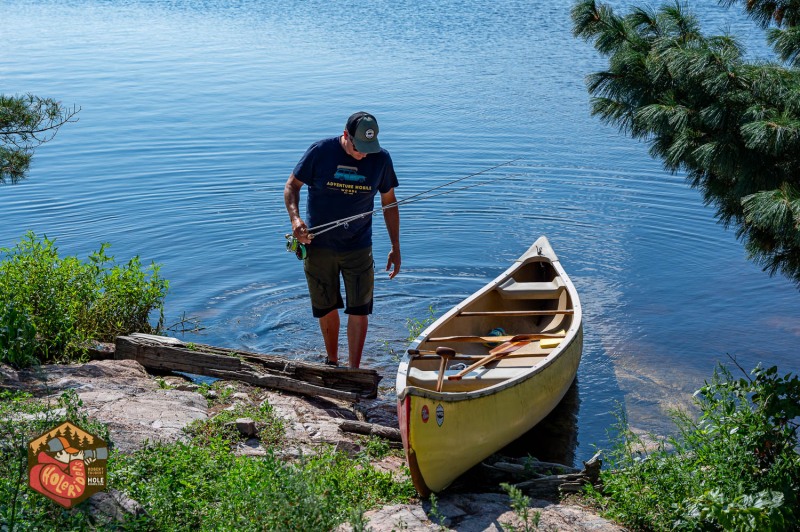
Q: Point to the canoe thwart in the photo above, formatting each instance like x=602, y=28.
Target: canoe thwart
x=515, y=312
x=495, y=339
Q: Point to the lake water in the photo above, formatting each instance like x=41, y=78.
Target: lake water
x=194, y=113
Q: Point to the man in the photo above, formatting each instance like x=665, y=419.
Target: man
x=343, y=175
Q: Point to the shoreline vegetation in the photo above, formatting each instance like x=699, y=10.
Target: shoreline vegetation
x=733, y=466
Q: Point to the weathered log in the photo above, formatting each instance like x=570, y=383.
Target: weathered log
x=531, y=467
x=370, y=429
x=552, y=485
x=269, y=371
x=537, y=479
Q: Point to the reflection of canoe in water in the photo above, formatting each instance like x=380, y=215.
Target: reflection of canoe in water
x=492, y=388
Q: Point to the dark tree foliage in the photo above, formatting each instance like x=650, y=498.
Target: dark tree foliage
x=27, y=122
x=731, y=125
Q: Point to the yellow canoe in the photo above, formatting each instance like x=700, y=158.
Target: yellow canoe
x=489, y=370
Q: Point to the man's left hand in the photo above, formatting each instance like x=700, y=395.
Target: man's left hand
x=394, y=259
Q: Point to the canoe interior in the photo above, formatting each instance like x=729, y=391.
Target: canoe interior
x=534, y=286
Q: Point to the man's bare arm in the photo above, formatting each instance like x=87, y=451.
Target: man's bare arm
x=291, y=197
x=392, y=218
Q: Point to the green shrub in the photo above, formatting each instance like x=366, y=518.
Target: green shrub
x=190, y=487
x=733, y=468
x=17, y=337
x=65, y=304
x=270, y=427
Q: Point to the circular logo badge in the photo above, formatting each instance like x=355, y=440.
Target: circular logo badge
x=425, y=414
x=370, y=134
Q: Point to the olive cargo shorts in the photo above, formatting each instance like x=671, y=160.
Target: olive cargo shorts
x=324, y=266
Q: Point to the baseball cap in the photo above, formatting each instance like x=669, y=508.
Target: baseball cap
x=363, y=130
x=60, y=444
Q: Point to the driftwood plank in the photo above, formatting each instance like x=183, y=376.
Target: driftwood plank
x=370, y=429
x=270, y=371
x=287, y=384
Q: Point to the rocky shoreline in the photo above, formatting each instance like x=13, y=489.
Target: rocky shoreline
x=139, y=407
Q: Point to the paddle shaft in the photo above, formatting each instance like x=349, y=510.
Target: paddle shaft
x=498, y=352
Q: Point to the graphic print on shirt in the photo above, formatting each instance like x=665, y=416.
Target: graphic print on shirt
x=348, y=181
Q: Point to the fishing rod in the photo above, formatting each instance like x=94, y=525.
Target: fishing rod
x=295, y=246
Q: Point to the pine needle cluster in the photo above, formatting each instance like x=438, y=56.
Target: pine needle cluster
x=732, y=125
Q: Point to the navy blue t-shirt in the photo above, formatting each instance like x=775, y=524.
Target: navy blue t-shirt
x=340, y=186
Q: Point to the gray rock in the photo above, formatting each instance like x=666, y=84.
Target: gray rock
x=479, y=512
x=113, y=505
x=349, y=448
x=246, y=427
x=9, y=378
x=242, y=397
x=122, y=395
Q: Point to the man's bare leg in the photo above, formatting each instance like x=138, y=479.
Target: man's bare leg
x=329, y=325
x=356, y=334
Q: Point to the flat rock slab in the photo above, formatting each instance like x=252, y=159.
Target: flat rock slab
x=479, y=512
x=122, y=395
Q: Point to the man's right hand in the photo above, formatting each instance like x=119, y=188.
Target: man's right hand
x=300, y=231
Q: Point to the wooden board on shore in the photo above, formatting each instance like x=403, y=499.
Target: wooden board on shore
x=269, y=371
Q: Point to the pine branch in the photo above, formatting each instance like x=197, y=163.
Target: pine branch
x=27, y=122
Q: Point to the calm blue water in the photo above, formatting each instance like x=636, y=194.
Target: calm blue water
x=194, y=113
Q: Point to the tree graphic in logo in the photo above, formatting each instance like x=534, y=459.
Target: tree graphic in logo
x=67, y=464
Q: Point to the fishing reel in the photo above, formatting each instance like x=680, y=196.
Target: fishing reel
x=295, y=246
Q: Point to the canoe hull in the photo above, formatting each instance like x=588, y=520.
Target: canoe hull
x=445, y=434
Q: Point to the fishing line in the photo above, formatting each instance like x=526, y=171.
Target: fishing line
x=299, y=249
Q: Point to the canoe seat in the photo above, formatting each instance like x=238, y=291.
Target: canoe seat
x=512, y=289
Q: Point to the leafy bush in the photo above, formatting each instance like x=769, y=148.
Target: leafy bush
x=734, y=468
x=17, y=337
x=65, y=304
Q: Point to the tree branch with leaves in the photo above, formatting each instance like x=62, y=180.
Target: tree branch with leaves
x=27, y=122
x=731, y=125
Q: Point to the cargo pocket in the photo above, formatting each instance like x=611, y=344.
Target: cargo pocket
x=324, y=296
x=359, y=284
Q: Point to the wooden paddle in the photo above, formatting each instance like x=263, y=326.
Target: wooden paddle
x=447, y=354
x=498, y=352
